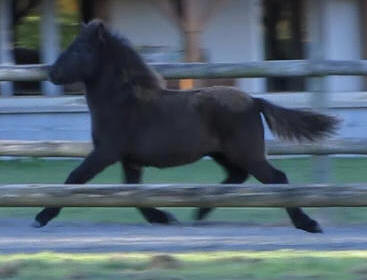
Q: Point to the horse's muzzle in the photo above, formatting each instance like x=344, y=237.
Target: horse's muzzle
x=55, y=75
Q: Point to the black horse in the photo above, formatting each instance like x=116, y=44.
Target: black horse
x=138, y=122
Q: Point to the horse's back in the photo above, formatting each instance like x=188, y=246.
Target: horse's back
x=225, y=112
x=229, y=98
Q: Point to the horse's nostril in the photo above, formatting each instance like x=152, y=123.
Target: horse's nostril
x=54, y=76
x=51, y=77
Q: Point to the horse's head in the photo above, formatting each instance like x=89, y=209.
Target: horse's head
x=80, y=61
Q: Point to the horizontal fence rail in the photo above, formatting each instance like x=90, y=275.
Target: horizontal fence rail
x=285, y=68
x=81, y=149
x=44, y=148
x=34, y=72
x=288, y=68
x=178, y=195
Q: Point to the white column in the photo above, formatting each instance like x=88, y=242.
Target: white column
x=235, y=34
x=6, y=58
x=50, y=43
x=343, y=40
x=255, y=40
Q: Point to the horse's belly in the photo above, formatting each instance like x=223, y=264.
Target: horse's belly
x=166, y=158
x=171, y=154
x=169, y=161
x=177, y=144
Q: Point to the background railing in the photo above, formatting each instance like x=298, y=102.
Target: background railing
x=204, y=195
x=289, y=68
x=281, y=68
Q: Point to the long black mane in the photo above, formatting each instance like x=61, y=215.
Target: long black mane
x=131, y=66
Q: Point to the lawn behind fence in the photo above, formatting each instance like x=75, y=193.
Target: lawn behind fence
x=349, y=170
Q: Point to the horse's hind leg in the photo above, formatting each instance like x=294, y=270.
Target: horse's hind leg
x=133, y=175
x=267, y=174
x=235, y=175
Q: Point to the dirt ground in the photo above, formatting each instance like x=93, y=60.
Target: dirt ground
x=17, y=236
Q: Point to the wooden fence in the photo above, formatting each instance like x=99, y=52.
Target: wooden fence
x=289, y=68
x=325, y=195
x=174, y=195
x=81, y=149
x=285, y=68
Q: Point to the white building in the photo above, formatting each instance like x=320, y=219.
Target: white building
x=218, y=31
x=227, y=31
x=248, y=30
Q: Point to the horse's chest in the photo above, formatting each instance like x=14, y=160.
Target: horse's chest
x=109, y=130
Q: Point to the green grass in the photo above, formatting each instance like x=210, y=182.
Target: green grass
x=205, y=171
x=215, y=266
x=199, y=266
x=28, y=31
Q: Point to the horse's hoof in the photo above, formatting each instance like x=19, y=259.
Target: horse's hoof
x=164, y=218
x=312, y=226
x=198, y=216
x=171, y=219
x=202, y=213
x=317, y=229
x=37, y=224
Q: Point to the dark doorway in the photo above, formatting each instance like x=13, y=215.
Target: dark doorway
x=284, y=24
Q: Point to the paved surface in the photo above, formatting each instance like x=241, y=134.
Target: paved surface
x=17, y=236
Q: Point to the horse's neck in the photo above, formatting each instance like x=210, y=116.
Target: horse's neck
x=99, y=97
x=94, y=92
x=114, y=85
x=104, y=83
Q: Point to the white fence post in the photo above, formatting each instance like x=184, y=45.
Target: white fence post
x=50, y=43
x=317, y=85
x=6, y=88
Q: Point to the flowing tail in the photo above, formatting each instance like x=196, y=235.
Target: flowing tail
x=291, y=124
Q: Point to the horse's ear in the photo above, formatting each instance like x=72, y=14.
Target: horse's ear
x=101, y=32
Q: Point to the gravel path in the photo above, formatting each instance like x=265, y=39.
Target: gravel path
x=17, y=236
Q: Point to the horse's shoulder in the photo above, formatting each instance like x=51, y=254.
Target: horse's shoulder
x=230, y=97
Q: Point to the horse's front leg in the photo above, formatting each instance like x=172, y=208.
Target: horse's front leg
x=133, y=175
x=94, y=163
